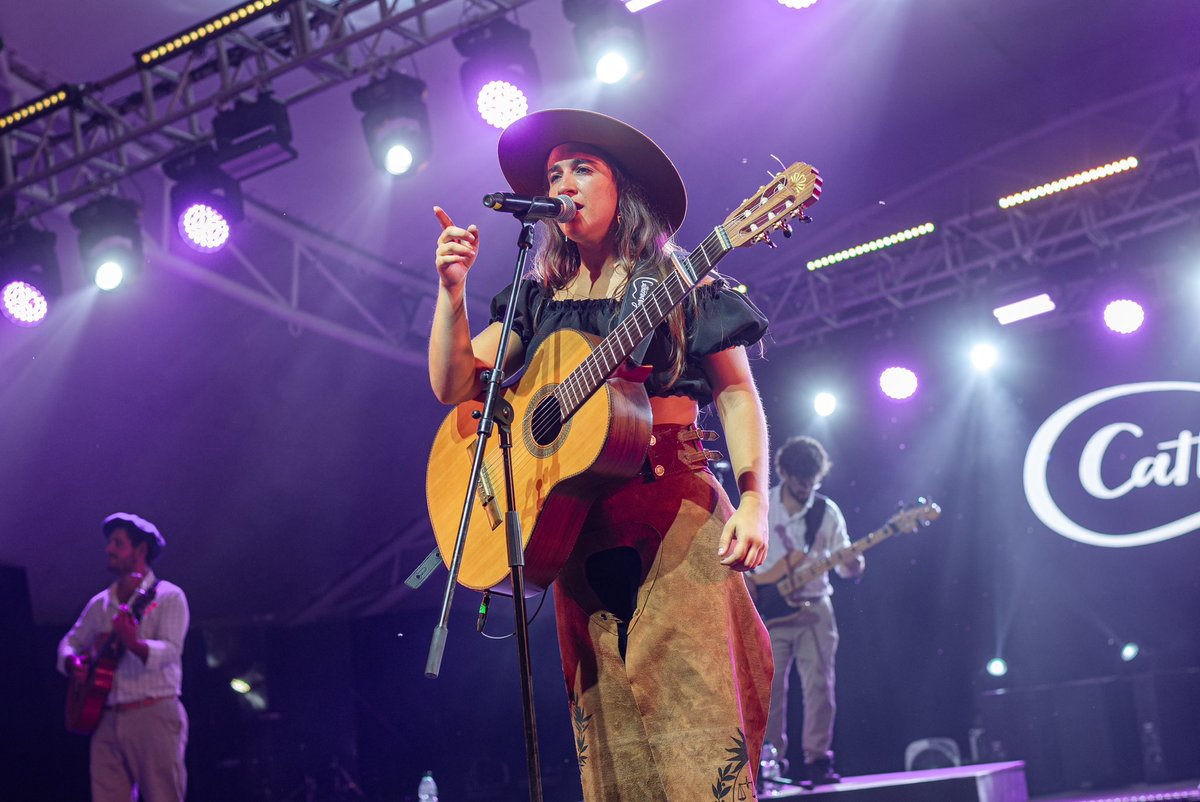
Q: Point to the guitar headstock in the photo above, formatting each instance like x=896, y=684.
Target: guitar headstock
x=786, y=196
x=912, y=518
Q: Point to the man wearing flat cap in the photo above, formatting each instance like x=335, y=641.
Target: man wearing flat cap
x=140, y=740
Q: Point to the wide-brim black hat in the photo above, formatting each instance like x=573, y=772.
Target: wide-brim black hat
x=126, y=519
x=526, y=143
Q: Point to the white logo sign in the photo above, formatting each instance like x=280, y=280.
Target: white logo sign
x=1172, y=465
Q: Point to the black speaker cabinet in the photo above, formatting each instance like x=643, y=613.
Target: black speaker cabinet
x=1098, y=733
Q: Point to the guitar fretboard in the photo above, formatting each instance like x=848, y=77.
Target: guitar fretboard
x=598, y=366
x=811, y=571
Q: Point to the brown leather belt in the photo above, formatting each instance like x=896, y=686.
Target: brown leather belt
x=140, y=703
x=675, y=448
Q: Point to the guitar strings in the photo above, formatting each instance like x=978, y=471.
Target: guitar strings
x=550, y=415
x=662, y=292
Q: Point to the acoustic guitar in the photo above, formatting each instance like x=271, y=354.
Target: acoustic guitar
x=777, y=592
x=86, y=698
x=575, y=426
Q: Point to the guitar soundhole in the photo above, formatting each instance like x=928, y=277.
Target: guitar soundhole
x=546, y=422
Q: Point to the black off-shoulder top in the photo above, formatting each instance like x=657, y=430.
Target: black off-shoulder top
x=716, y=316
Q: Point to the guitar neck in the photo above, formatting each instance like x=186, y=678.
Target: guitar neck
x=612, y=352
x=811, y=571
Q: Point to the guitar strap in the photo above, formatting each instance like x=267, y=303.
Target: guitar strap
x=812, y=521
x=640, y=286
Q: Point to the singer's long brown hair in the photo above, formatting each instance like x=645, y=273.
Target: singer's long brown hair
x=641, y=236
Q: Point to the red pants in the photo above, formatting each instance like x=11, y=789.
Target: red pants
x=668, y=666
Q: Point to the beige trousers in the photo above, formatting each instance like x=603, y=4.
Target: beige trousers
x=667, y=664
x=142, y=750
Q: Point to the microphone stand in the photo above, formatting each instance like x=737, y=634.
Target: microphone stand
x=498, y=413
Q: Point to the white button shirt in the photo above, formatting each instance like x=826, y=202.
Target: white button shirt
x=785, y=529
x=163, y=628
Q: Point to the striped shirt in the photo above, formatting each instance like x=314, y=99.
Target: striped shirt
x=163, y=628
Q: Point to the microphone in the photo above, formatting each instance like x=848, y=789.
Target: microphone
x=532, y=207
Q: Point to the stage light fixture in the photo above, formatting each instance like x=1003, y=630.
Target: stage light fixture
x=997, y=667
x=1129, y=652
x=240, y=685
x=1025, y=308
x=205, y=200
x=29, y=277
x=1069, y=182
x=1124, y=316
x=824, y=404
x=63, y=96
x=872, y=246
x=500, y=73
x=984, y=357
x=609, y=38
x=253, y=137
x=395, y=122
x=110, y=240
x=198, y=35
x=898, y=383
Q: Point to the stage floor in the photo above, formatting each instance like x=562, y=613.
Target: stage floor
x=1182, y=791
x=982, y=782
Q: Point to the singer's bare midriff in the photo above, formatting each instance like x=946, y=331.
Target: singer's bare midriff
x=674, y=409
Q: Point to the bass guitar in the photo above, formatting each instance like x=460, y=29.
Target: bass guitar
x=86, y=698
x=575, y=426
x=776, y=592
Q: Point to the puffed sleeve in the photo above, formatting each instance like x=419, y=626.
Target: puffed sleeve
x=724, y=319
x=528, y=294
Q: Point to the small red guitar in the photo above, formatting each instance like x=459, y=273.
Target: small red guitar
x=86, y=698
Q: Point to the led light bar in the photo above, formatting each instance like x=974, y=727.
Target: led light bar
x=1070, y=182
x=198, y=34
x=872, y=246
x=40, y=106
x=1029, y=307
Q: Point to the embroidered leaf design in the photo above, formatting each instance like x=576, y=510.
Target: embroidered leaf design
x=727, y=775
x=581, y=723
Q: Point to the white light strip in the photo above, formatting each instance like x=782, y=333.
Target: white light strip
x=1037, y=305
x=638, y=5
x=872, y=246
x=1070, y=182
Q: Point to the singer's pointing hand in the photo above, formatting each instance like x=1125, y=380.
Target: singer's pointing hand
x=456, y=250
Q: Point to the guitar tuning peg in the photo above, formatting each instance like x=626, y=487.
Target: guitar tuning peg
x=805, y=218
x=770, y=244
x=786, y=228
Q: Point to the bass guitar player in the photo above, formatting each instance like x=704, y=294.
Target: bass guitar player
x=804, y=526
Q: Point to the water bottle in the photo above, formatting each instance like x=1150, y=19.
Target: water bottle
x=769, y=769
x=427, y=790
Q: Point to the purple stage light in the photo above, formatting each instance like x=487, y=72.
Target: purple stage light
x=501, y=103
x=1124, y=316
x=23, y=303
x=797, y=3
x=898, y=383
x=204, y=228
